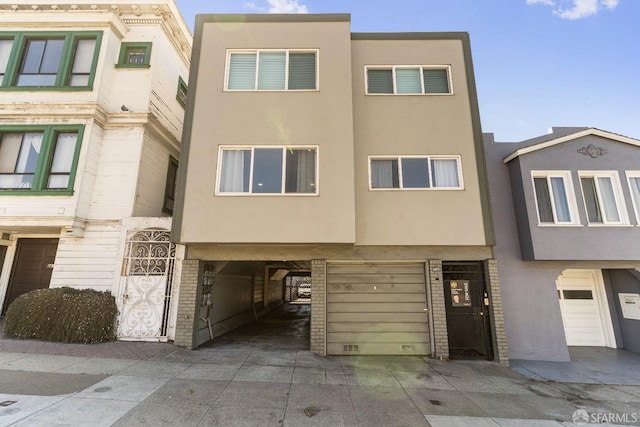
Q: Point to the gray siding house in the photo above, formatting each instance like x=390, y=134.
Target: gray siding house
x=567, y=213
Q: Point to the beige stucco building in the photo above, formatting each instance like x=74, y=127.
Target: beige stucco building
x=355, y=159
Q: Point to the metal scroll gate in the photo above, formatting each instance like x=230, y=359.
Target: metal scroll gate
x=146, y=286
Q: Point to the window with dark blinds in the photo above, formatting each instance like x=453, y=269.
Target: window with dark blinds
x=302, y=71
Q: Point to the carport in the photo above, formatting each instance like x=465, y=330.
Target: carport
x=237, y=293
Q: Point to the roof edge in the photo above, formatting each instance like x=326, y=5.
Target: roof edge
x=452, y=35
x=273, y=17
x=570, y=137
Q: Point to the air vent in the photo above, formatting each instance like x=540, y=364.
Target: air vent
x=350, y=348
x=407, y=348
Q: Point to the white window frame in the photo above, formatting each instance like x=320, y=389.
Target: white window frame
x=286, y=69
x=617, y=193
x=569, y=191
x=393, y=69
x=284, y=148
x=398, y=157
x=636, y=202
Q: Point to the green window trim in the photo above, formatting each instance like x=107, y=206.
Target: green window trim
x=45, y=158
x=183, y=90
x=170, y=186
x=64, y=71
x=128, y=48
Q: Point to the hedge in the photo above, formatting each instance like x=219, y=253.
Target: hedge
x=64, y=315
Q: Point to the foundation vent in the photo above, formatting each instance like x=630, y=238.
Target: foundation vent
x=407, y=348
x=351, y=348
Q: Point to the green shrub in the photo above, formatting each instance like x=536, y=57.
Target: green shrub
x=64, y=315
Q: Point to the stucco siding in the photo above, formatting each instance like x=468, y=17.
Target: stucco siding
x=584, y=241
x=415, y=125
x=321, y=118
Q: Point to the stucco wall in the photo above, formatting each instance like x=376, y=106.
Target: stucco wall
x=624, y=282
x=320, y=118
x=533, y=320
x=579, y=242
x=415, y=125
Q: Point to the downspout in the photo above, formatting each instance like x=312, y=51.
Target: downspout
x=432, y=338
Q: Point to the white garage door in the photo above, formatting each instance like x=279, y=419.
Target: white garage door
x=377, y=308
x=582, y=306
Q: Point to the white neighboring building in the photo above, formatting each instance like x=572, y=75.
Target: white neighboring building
x=92, y=98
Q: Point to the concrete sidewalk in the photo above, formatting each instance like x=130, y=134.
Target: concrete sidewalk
x=261, y=376
x=252, y=387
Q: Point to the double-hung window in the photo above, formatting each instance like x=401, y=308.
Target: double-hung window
x=634, y=186
x=272, y=70
x=554, y=198
x=267, y=170
x=38, y=158
x=415, y=172
x=408, y=80
x=603, y=197
x=48, y=60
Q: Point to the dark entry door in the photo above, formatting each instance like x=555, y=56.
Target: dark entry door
x=467, y=307
x=32, y=267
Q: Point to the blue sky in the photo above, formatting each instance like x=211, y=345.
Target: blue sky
x=538, y=63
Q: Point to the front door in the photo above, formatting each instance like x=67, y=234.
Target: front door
x=467, y=307
x=32, y=267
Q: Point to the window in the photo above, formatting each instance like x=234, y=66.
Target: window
x=182, y=92
x=134, y=55
x=602, y=197
x=38, y=159
x=5, y=51
x=408, y=80
x=48, y=60
x=266, y=70
x=634, y=185
x=268, y=170
x=415, y=172
x=554, y=198
x=171, y=186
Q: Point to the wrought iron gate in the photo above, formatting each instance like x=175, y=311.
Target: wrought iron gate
x=146, y=285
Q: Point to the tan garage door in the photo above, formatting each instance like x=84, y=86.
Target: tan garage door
x=377, y=308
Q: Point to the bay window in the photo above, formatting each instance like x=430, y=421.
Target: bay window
x=603, y=198
x=554, y=198
x=48, y=60
x=38, y=159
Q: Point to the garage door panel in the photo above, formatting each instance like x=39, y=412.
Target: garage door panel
x=417, y=348
x=373, y=268
x=375, y=337
x=417, y=327
x=374, y=297
x=380, y=317
x=376, y=308
x=377, y=278
x=388, y=307
x=333, y=287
